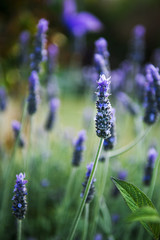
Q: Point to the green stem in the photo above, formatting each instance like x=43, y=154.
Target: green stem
x=130, y=145
x=153, y=183
x=86, y=221
x=19, y=230
x=78, y=215
x=100, y=194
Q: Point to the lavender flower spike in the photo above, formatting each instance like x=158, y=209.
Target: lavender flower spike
x=19, y=199
x=33, y=93
x=79, y=148
x=16, y=126
x=109, y=143
x=92, y=188
x=3, y=101
x=151, y=158
x=39, y=53
x=151, y=106
x=52, y=57
x=153, y=74
x=54, y=104
x=104, y=112
x=101, y=48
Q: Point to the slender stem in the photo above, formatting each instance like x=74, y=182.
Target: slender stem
x=130, y=145
x=19, y=230
x=153, y=183
x=100, y=195
x=86, y=222
x=78, y=215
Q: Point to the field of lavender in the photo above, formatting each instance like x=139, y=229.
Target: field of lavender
x=79, y=143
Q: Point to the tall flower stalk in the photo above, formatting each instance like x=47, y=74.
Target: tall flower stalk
x=103, y=126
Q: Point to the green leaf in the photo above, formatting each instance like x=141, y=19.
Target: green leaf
x=135, y=200
x=147, y=214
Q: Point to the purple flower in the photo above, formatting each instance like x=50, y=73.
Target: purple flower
x=138, y=44
x=42, y=26
x=98, y=237
x=24, y=37
x=39, y=54
x=128, y=103
x=3, y=100
x=109, y=143
x=52, y=57
x=79, y=148
x=16, y=126
x=115, y=218
x=101, y=48
x=153, y=76
x=45, y=183
x=92, y=187
x=139, y=31
x=19, y=206
x=33, y=92
x=103, y=116
x=24, y=45
x=148, y=172
x=54, y=105
x=79, y=23
x=151, y=96
x=122, y=175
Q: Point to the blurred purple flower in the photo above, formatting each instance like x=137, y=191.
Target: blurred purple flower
x=139, y=31
x=24, y=37
x=79, y=23
x=138, y=44
x=98, y=237
x=128, y=103
x=45, y=183
x=3, y=99
x=54, y=105
x=92, y=187
x=79, y=148
x=16, y=126
x=52, y=57
x=151, y=158
x=33, y=92
x=39, y=54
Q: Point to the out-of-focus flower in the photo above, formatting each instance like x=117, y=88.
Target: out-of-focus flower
x=52, y=57
x=54, y=105
x=16, y=126
x=24, y=44
x=101, y=48
x=79, y=148
x=33, y=93
x=45, y=183
x=151, y=106
x=98, y=237
x=128, y=103
x=115, y=218
x=138, y=44
x=3, y=99
x=92, y=187
x=40, y=54
x=156, y=57
x=19, y=199
x=122, y=175
x=79, y=23
x=151, y=158
x=103, y=116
